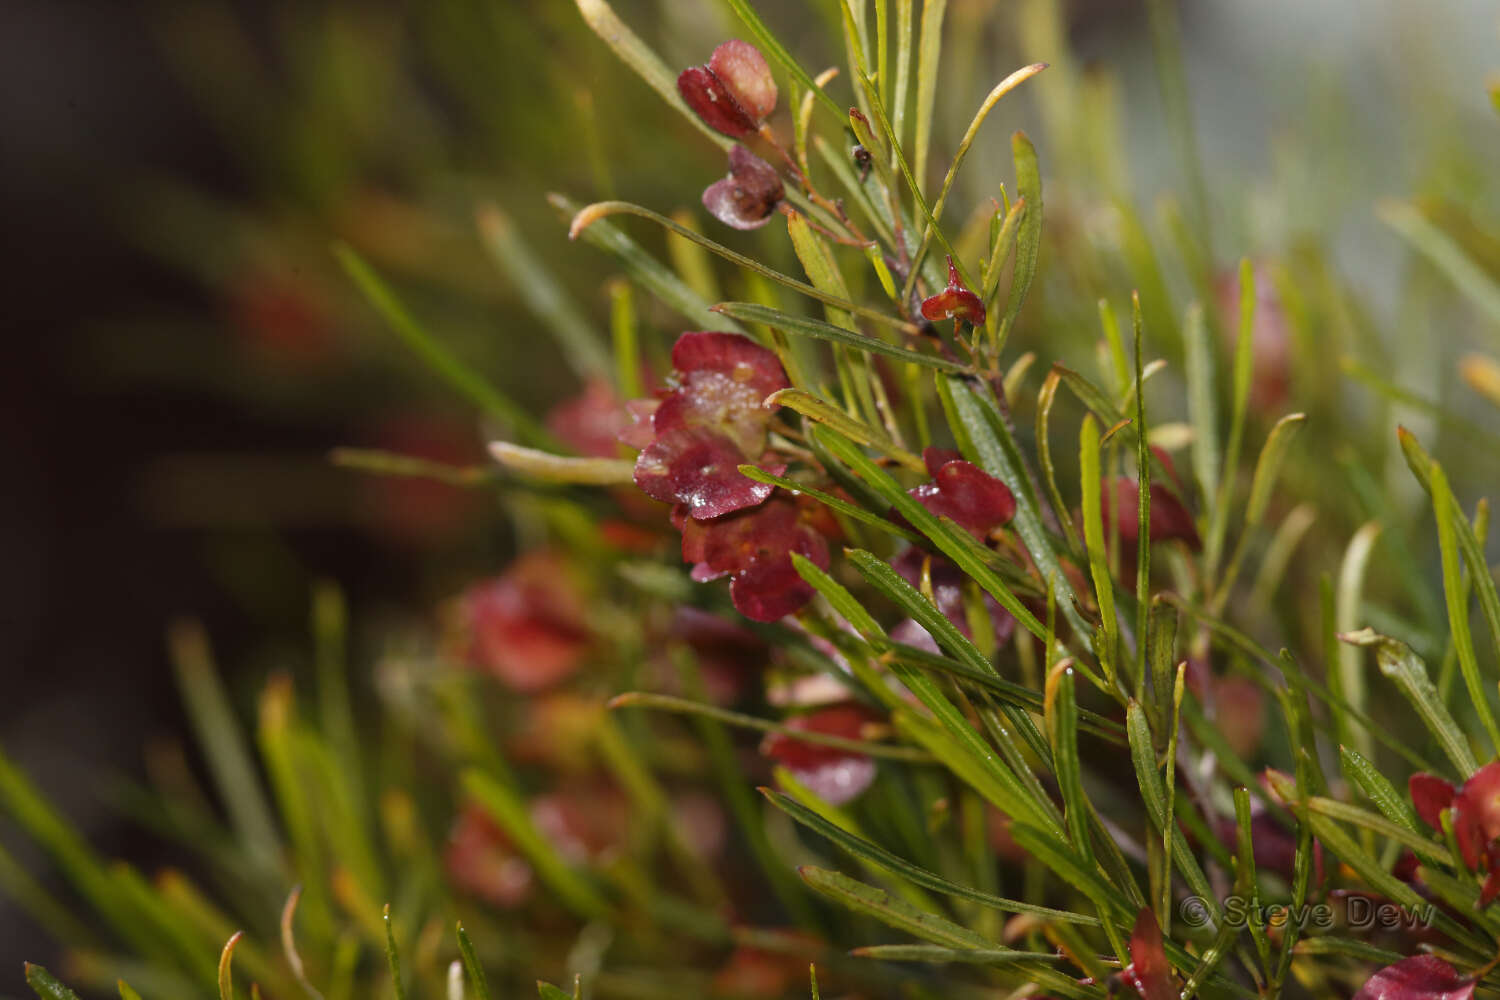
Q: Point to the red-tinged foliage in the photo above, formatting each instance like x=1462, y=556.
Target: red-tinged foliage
x=755, y=547
x=590, y=423
x=734, y=93
x=963, y=491
x=1481, y=794
x=1240, y=713
x=732, y=356
x=1274, y=846
x=1421, y=977
x=481, y=860
x=1149, y=972
x=699, y=469
x=529, y=626
x=748, y=196
x=776, y=972
x=639, y=428
x=954, y=302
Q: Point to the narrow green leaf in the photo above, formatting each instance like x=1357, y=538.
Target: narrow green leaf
x=1400, y=664
x=825, y=412
x=505, y=807
x=945, y=534
x=656, y=277
x=1203, y=394
x=891, y=911
x=1272, y=456
x=1028, y=237
x=437, y=357
x=904, y=19
x=1422, y=467
x=1244, y=369
x=830, y=501
x=581, y=345
x=1044, y=400
x=1000, y=248
x=1445, y=254
x=471, y=965
x=874, y=854
x=939, y=955
x=603, y=21
x=1004, y=87
x=1414, y=839
x=772, y=46
x=985, y=438
x=126, y=992
x=222, y=740
x=1375, y=875
x=1061, y=715
x=546, y=467
x=803, y=326
x=1444, y=504
x=226, y=967
x=1158, y=808
x=546, y=991
x=590, y=216
x=392, y=956
x=1349, y=599
x=1378, y=788
x=929, y=55
x=45, y=985
x=1090, y=481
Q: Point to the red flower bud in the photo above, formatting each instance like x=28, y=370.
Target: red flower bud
x=954, y=302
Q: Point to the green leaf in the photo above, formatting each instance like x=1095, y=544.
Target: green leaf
x=1004, y=87
x=872, y=853
x=431, y=351
x=1272, y=457
x=581, y=345
x=1375, y=875
x=1000, y=248
x=472, y=966
x=1029, y=236
x=830, y=501
x=1154, y=797
x=1202, y=392
x=1044, y=400
x=226, y=967
x=1090, y=482
x=944, y=533
x=222, y=740
x=590, y=215
x=802, y=326
x=546, y=991
x=126, y=992
x=772, y=46
x=891, y=911
x=1053, y=852
x=1400, y=664
x=939, y=955
x=1378, y=788
x=603, y=21
x=505, y=807
x=985, y=438
x=825, y=412
x=1418, y=841
x=657, y=278
x=1061, y=715
x=929, y=54
x=45, y=985
x=1444, y=504
x=1422, y=467
x=1244, y=369
x=1446, y=254
x=546, y=467
x=671, y=703
x=392, y=956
